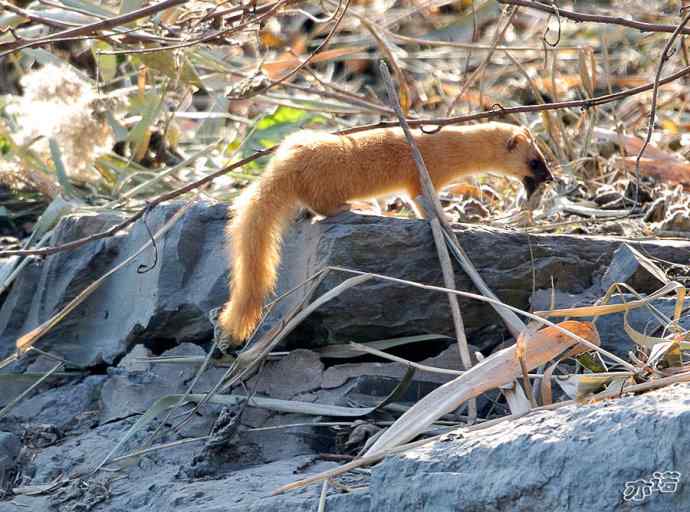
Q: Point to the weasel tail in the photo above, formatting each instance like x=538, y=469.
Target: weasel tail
x=322, y=172
x=261, y=214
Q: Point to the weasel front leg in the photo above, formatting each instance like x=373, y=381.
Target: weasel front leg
x=415, y=199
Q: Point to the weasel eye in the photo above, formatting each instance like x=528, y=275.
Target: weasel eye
x=535, y=164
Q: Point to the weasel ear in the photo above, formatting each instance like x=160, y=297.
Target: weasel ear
x=514, y=140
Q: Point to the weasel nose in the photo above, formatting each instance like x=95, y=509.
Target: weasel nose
x=540, y=171
x=540, y=174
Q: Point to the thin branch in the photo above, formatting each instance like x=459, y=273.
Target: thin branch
x=475, y=46
x=595, y=18
x=435, y=213
x=652, y=112
x=488, y=114
x=323, y=45
x=90, y=28
x=208, y=38
x=498, y=36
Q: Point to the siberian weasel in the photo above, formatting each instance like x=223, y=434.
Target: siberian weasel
x=323, y=172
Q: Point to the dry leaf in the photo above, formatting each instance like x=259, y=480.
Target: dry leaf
x=667, y=170
x=498, y=369
x=288, y=61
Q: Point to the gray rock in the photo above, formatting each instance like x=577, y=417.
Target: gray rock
x=611, y=327
x=575, y=458
x=509, y=263
x=298, y=372
x=247, y=490
x=287, y=442
x=65, y=407
x=584, y=457
x=159, y=480
x=10, y=446
x=449, y=358
x=624, y=268
x=170, y=303
x=134, y=386
x=25, y=503
x=78, y=455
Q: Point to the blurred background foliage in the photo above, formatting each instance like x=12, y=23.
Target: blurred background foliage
x=102, y=107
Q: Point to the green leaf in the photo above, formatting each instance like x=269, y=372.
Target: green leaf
x=88, y=7
x=282, y=115
x=62, y=177
x=211, y=127
x=42, y=57
x=119, y=166
x=273, y=128
x=5, y=145
x=107, y=64
x=214, y=60
x=149, y=108
x=119, y=131
x=58, y=208
x=31, y=55
x=130, y=5
x=11, y=20
x=168, y=63
x=591, y=363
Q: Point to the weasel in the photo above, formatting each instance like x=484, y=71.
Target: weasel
x=323, y=172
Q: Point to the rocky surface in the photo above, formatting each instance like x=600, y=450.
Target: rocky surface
x=167, y=305
x=51, y=441
x=588, y=457
x=170, y=303
x=593, y=457
x=63, y=432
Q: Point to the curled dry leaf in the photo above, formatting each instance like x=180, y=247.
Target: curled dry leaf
x=286, y=62
x=502, y=367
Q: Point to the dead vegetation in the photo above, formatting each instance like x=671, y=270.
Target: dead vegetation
x=124, y=106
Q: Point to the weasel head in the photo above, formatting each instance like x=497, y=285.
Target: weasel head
x=524, y=160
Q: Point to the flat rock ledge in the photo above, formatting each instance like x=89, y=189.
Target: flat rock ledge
x=170, y=303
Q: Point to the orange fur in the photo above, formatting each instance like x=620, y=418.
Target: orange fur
x=323, y=172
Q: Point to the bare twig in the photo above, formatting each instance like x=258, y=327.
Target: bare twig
x=652, y=111
x=585, y=103
x=216, y=36
x=435, y=212
x=594, y=18
x=500, y=31
x=323, y=45
x=90, y=28
x=475, y=46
